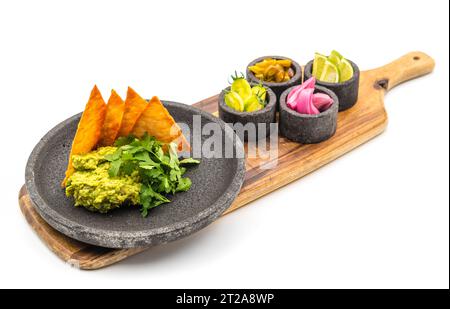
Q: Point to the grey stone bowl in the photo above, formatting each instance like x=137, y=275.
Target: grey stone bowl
x=308, y=129
x=215, y=184
x=347, y=92
x=277, y=88
x=265, y=116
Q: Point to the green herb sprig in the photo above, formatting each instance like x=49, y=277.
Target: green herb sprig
x=160, y=172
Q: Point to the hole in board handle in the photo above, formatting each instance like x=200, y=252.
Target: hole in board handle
x=416, y=58
x=382, y=84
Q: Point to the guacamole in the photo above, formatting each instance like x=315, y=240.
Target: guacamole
x=92, y=187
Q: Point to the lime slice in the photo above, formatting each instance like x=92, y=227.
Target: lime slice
x=330, y=73
x=345, y=70
x=318, y=64
x=335, y=57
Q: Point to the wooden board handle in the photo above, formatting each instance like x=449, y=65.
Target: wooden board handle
x=409, y=66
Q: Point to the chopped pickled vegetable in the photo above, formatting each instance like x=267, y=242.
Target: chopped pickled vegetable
x=234, y=101
x=244, y=98
x=241, y=86
x=303, y=99
x=273, y=70
x=260, y=91
x=253, y=104
x=322, y=101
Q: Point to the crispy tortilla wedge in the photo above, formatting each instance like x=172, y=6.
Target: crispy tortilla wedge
x=113, y=120
x=157, y=122
x=183, y=144
x=134, y=106
x=89, y=128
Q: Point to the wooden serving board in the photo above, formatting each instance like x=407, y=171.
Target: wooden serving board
x=357, y=125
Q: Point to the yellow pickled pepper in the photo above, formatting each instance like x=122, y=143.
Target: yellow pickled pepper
x=278, y=70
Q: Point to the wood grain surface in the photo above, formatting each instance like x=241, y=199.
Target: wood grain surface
x=357, y=125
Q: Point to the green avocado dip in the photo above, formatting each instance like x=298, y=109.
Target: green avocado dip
x=132, y=172
x=93, y=188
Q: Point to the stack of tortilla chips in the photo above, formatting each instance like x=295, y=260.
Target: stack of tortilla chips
x=101, y=124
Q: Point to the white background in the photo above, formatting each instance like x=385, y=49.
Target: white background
x=376, y=218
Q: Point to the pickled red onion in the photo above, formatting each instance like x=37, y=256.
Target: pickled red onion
x=322, y=101
x=303, y=99
x=305, y=104
x=292, y=98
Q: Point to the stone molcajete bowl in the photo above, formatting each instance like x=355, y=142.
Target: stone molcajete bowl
x=264, y=116
x=215, y=184
x=347, y=92
x=308, y=129
x=277, y=88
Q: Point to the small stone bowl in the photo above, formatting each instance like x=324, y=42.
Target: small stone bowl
x=347, y=92
x=308, y=129
x=264, y=116
x=277, y=88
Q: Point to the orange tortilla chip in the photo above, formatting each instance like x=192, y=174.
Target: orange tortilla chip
x=113, y=120
x=182, y=143
x=89, y=129
x=157, y=122
x=134, y=106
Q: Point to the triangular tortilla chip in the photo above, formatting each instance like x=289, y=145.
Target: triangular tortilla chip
x=134, y=106
x=183, y=144
x=113, y=119
x=157, y=122
x=89, y=129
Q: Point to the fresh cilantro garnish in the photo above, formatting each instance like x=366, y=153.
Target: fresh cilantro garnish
x=114, y=168
x=160, y=171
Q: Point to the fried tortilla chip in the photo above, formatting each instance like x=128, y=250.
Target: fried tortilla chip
x=89, y=129
x=134, y=106
x=157, y=122
x=113, y=120
x=182, y=143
